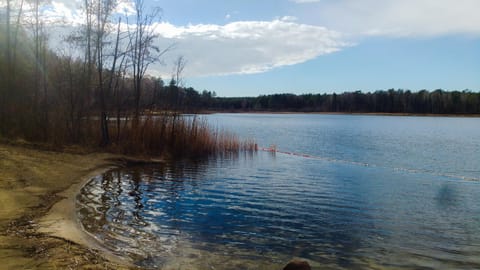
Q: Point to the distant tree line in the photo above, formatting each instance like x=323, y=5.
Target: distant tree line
x=390, y=101
x=189, y=100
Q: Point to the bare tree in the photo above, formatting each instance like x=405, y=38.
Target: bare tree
x=175, y=84
x=103, y=11
x=88, y=55
x=46, y=108
x=115, y=77
x=95, y=39
x=83, y=41
x=36, y=35
x=15, y=42
x=179, y=67
x=143, y=51
x=40, y=69
x=5, y=80
x=8, y=33
x=10, y=98
x=177, y=81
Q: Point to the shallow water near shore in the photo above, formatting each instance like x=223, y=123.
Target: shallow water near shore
x=343, y=192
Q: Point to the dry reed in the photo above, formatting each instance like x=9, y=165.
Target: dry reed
x=165, y=134
x=176, y=136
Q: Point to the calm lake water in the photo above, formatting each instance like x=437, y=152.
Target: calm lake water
x=344, y=191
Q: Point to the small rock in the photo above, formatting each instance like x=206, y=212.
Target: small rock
x=297, y=264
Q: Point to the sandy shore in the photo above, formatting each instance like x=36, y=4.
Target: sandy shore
x=38, y=227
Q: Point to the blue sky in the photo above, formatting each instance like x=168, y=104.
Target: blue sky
x=253, y=47
x=379, y=63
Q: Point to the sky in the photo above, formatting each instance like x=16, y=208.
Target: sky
x=255, y=47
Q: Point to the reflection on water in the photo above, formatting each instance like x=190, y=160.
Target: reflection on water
x=372, y=193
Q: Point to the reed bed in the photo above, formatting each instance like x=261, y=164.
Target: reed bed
x=161, y=134
x=175, y=136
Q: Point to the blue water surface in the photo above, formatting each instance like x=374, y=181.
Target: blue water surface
x=343, y=191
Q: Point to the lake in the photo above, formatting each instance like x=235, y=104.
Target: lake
x=343, y=191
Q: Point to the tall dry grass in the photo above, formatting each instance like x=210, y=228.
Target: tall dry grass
x=160, y=134
x=175, y=136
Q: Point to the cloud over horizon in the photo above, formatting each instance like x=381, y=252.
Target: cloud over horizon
x=247, y=47
x=238, y=47
x=255, y=46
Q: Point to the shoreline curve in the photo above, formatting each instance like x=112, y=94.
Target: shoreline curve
x=62, y=221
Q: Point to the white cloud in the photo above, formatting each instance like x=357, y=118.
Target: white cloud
x=289, y=18
x=401, y=18
x=242, y=47
x=70, y=12
x=246, y=47
x=70, y=4
x=125, y=7
x=65, y=11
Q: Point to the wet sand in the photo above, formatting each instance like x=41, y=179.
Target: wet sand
x=38, y=228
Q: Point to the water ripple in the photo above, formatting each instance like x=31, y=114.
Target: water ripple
x=336, y=214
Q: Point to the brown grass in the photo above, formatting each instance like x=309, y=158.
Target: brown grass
x=175, y=136
x=160, y=134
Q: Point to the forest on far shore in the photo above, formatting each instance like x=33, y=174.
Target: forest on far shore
x=189, y=100
x=381, y=101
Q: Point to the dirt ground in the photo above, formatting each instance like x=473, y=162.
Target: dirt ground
x=31, y=183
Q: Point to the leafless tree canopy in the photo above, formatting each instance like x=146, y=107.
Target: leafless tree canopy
x=96, y=91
